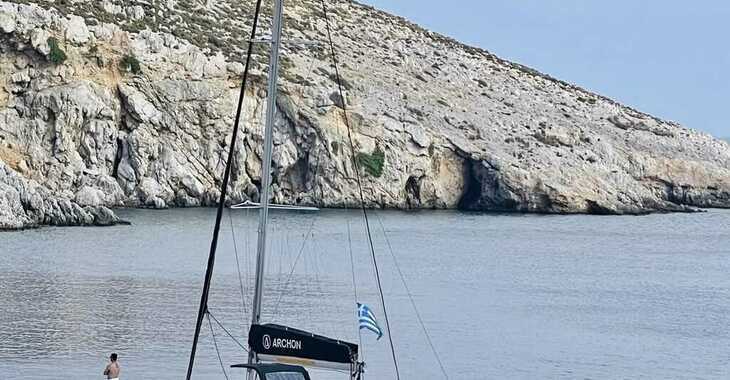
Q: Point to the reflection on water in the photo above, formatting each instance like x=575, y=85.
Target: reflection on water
x=503, y=296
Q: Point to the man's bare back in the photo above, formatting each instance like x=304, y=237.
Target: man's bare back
x=112, y=369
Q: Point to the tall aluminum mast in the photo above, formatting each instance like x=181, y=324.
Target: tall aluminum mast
x=266, y=167
x=203, y=310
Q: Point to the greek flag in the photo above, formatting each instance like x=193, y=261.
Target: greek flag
x=367, y=320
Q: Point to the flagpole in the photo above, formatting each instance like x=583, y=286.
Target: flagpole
x=359, y=337
x=357, y=303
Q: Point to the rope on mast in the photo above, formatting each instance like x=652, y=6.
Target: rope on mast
x=359, y=183
x=202, y=310
x=215, y=344
x=244, y=310
x=226, y=331
x=293, y=268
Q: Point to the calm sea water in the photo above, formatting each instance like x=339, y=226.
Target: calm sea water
x=503, y=297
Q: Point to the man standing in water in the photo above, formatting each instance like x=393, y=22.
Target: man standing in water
x=112, y=369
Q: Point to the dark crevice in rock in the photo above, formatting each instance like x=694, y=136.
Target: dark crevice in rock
x=472, y=188
x=118, y=158
x=543, y=202
x=301, y=172
x=681, y=197
x=295, y=180
x=254, y=192
x=487, y=190
x=684, y=195
x=413, y=192
x=592, y=207
x=678, y=194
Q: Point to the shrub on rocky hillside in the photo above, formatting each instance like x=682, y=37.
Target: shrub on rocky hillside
x=57, y=55
x=372, y=163
x=129, y=63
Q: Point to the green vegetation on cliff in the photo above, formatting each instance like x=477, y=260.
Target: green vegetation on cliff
x=372, y=163
x=130, y=63
x=56, y=55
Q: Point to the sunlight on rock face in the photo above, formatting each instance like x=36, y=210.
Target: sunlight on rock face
x=142, y=111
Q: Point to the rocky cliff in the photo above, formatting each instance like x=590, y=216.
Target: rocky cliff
x=109, y=103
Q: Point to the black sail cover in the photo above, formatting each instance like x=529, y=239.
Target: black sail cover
x=276, y=340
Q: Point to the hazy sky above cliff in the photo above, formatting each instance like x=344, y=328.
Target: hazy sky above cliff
x=669, y=58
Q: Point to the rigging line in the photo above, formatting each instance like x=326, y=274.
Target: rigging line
x=294, y=266
x=413, y=301
x=354, y=284
x=352, y=258
x=359, y=183
x=244, y=311
x=217, y=351
x=222, y=200
x=307, y=288
x=348, y=219
x=247, y=242
x=246, y=261
x=319, y=274
x=320, y=297
x=302, y=86
x=279, y=271
x=227, y=332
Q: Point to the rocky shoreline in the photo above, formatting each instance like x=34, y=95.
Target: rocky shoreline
x=26, y=204
x=109, y=109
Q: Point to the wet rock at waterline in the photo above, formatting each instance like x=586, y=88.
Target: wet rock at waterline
x=24, y=203
x=96, y=115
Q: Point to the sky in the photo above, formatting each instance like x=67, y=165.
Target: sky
x=669, y=58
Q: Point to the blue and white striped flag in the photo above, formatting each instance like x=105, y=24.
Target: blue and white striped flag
x=367, y=320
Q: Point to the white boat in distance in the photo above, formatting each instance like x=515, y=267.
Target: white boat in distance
x=253, y=205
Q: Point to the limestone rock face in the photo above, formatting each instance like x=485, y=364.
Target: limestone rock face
x=138, y=117
x=76, y=30
x=7, y=22
x=39, y=41
x=24, y=203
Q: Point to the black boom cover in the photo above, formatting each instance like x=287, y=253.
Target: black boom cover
x=279, y=340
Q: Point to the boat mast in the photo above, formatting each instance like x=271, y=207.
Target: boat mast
x=203, y=310
x=266, y=166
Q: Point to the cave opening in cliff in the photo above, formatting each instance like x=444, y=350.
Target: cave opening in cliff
x=472, y=187
x=118, y=158
x=413, y=192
